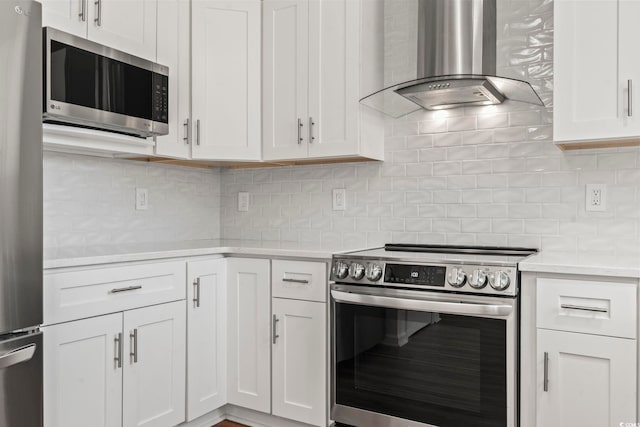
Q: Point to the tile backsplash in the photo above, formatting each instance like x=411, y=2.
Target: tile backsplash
x=489, y=175
x=91, y=201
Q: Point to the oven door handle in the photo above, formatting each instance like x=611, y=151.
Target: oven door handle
x=457, y=307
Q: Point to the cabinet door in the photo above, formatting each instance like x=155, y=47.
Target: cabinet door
x=127, y=25
x=591, y=380
x=299, y=361
x=249, y=351
x=226, y=79
x=591, y=94
x=154, y=366
x=206, y=337
x=334, y=69
x=70, y=16
x=285, y=79
x=173, y=51
x=82, y=376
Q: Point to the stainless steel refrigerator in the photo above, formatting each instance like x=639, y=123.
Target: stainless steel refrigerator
x=20, y=213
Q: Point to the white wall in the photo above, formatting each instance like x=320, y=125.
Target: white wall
x=91, y=201
x=476, y=176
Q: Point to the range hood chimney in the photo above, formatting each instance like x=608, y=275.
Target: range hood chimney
x=456, y=63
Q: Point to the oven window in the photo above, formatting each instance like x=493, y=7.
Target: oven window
x=83, y=78
x=441, y=369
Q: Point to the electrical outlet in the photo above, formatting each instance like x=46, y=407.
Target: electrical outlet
x=243, y=201
x=142, y=199
x=339, y=199
x=596, y=198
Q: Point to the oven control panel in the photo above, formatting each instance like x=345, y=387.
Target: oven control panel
x=477, y=279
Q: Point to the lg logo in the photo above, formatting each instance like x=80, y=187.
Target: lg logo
x=55, y=107
x=20, y=11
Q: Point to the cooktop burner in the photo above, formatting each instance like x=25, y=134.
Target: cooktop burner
x=448, y=268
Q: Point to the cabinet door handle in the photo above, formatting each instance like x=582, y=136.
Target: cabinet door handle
x=196, y=292
x=583, y=308
x=186, y=131
x=311, y=125
x=286, y=279
x=117, y=342
x=630, y=98
x=83, y=11
x=198, y=132
x=127, y=289
x=133, y=339
x=98, y=18
x=275, y=328
x=300, y=138
x=545, y=384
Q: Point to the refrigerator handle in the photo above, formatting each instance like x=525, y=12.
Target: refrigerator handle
x=19, y=355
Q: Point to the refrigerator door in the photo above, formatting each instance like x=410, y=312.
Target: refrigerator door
x=20, y=164
x=21, y=381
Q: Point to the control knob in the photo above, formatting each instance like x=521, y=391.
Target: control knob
x=342, y=270
x=499, y=280
x=356, y=271
x=457, y=277
x=478, y=279
x=374, y=272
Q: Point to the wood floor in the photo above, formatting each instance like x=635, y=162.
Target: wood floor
x=227, y=423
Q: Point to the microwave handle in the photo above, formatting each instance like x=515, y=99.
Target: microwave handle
x=458, y=307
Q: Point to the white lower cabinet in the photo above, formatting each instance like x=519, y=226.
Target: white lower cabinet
x=299, y=360
x=206, y=337
x=82, y=378
x=591, y=380
x=154, y=366
x=248, y=326
x=124, y=369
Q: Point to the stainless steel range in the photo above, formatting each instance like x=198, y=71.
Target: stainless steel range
x=425, y=336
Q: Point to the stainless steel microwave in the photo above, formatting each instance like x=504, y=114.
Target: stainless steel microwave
x=90, y=85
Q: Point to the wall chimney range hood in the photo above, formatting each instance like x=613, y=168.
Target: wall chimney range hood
x=456, y=63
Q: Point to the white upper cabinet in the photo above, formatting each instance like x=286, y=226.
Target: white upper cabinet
x=174, y=34
x=126, y=25
x=285, y=76
x=318, y=62
x=226, y=64
x=596, y=70
x=66, y=15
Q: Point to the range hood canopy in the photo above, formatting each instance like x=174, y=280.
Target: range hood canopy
x=456, y=63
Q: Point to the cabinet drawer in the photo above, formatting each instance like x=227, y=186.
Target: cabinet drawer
x=299, y=280
x=71, y=295
x=600, y=308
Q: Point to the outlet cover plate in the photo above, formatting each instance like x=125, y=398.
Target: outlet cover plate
x=339, y=199
x=142, y=199
x=243, y=201
x=596, y=198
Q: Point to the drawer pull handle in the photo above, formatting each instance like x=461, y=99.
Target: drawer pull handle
x=275, y=328
x=127, y=289
x=117, y=341
x=583, y=308
x=304, y=281
x=134, y=345
x=545, y=384
x=196, y=292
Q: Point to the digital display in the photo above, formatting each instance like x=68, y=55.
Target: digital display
x=427, y=275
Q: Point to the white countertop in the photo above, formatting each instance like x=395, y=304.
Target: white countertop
x=588, y=263
x=545, y=262
x=92, y=255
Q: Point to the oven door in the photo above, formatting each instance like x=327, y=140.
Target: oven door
x=403, y=358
